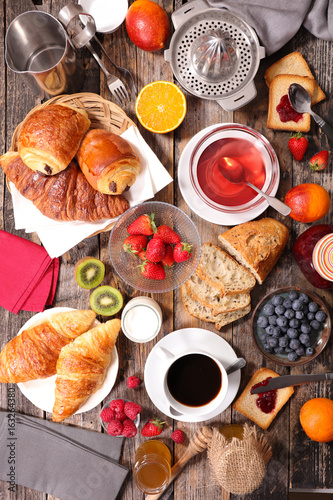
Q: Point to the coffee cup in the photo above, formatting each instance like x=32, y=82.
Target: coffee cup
x=195, y=382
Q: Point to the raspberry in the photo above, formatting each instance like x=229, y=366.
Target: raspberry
x=107, y=414
x=132, y=410
x=120, y=415
x=178, y=436
x=117, y=405
x=115, y=427
x=133, y=382
x=129, y=428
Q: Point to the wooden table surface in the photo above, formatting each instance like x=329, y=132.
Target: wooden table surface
x=297, y=462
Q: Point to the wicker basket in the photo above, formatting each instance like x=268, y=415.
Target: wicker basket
x=101, y=113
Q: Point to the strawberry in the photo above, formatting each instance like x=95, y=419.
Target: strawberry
x=132, y=410
x=133, y=382
x=135, y=243
x=129, y=428
x=297, y=145
x=168, y=259
x=152, y=428
x=152, y=270
x=178, y=436
x=167, y=235
x=115, y=427
x=143, y=225
x=182, y=252
x=142, y=254
x=107, y=414
x=117, y=404
x=155, y=251
x=319, y=161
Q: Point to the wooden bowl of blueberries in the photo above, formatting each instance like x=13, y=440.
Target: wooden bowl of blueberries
x=291, y=326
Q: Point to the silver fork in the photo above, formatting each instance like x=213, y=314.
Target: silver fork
x=116, y=86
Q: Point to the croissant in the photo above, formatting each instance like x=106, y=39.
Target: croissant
x=108, y=161
x=82, y=367
x=34, y=353
x=50, y=137
x=66, y=196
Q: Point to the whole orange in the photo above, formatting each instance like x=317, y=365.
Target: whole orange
x=316, y=417
x=308, y=202
x=147, y=25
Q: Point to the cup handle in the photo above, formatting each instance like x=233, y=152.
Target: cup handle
x=164, y=353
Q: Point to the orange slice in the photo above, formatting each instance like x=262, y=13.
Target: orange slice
x=160, y=107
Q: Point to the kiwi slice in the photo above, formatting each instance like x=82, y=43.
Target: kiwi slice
x=106, y=300
x=89, y=272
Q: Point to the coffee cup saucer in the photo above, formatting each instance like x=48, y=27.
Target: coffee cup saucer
x=181, y=342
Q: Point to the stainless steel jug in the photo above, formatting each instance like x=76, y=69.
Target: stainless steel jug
x=37, y=47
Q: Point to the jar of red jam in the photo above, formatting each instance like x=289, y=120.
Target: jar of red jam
x=307, y=259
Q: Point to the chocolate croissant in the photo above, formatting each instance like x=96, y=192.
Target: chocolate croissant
x=82, y=367
x=108, y=161
x=34, y=353
x=50, y=137
x=67, y=196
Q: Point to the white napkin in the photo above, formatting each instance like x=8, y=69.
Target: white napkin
x=58, y=237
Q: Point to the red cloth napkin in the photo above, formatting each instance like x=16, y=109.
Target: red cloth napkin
x=28, y=275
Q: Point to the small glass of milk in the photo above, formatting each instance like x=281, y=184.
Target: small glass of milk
x=141, y=319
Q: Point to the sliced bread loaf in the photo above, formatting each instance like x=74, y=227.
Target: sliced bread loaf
x=256, y=245
x=246, y=403
x=210, y=296
x=218, y=269
x=205, y=313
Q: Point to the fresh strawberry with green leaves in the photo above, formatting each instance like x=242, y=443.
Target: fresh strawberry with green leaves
x=155, y=250
x=143, y=225
x=319, y=161
x=168, y=259
x=182, y=252
x=167, y=235
x=152, y=428
x=142, y=254
x=297, y=145
x=152, y=270
x=135, y=243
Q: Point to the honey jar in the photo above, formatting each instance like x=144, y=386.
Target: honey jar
x=152, y=467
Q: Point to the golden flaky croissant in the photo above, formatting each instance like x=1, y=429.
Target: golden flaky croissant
x=66, y=196
x=82, y=367
x=108, y=161
x=50, y=137
x=34, y=353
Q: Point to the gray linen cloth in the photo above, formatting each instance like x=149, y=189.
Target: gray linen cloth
x=64, y=461
x=277, y=21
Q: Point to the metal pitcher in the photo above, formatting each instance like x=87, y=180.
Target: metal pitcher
x=37, y=46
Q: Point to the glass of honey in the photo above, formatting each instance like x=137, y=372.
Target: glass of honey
x=152, y=466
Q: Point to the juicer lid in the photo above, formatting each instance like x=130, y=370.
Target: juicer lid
x=214, y=54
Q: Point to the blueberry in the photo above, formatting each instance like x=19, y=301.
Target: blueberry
x=290, y=313
x=262, y=321
x=276, y=332
x=304, y=298
x=315, y=324
x=294, y=344
x=268, y=309
x=279, y=310
x=294, y=323
x=309, y=351
x=300, y=351
x=297, y=305
x=305, y=328
x=304, y=338
x=313, y=307
x=292, y=356
x=308, y=344
x=267, y=348
x=278, y=350
x=272, y=320
x=283, y=341
x=277, y=300
x=284, y=329
x=287, y=303
x=292, y=333
x=310, y=316
x=282, y=321
x=272, y=342
x=299, y=314
x=320, y=316
x=288, y=349
x=305, y=309
x=269, y=329
x=293, y=295
x=263, y=337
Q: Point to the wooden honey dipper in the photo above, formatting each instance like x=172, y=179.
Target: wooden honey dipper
x=197, y=444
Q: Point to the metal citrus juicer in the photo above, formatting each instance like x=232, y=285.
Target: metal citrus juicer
x=214, y=54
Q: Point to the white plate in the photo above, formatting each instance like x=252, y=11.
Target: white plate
x=41, y=392
x=108, y=14
x=179, y=342
x=196, y=204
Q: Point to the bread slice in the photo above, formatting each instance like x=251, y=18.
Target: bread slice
x=205, y=313
x=210, y=296
x=294, y=64
x=246, y=403
x=218, y=269
x=256, y=245
x=278, y=88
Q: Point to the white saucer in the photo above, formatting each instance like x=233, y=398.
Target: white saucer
x=181, y=341
x=41, y=392
x=196, y=204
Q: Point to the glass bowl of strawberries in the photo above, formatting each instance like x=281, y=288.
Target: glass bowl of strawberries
x=154, y=247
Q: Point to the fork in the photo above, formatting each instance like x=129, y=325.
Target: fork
x=116, y=86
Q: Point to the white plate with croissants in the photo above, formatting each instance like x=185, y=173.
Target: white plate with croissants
x=81, y=385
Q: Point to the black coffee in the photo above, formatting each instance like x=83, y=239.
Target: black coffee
x=194, y=379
